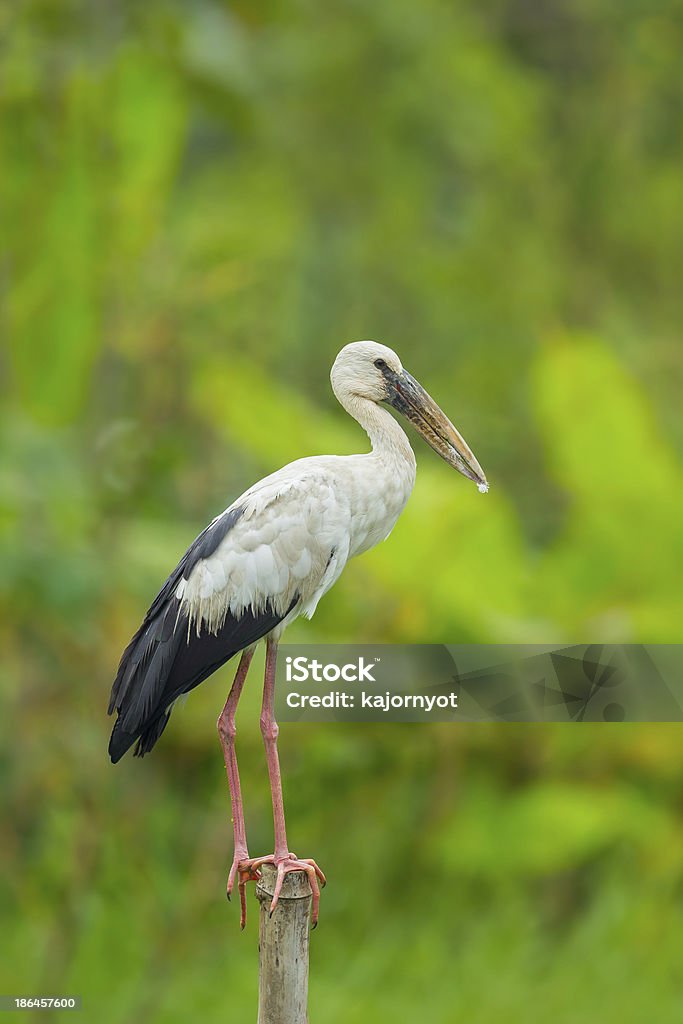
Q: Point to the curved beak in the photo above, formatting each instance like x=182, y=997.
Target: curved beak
x=409, y=398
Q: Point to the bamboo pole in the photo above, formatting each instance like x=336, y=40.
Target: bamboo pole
x=283, y=948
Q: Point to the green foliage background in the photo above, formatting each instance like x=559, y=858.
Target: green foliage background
x=200, y=203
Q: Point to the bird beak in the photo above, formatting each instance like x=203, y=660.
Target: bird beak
x=409, y=398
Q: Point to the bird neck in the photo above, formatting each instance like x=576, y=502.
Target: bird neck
x=389, y=441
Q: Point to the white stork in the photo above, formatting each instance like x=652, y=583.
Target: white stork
x=269, y=558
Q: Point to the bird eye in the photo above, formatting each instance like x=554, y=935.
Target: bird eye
x=380, y=364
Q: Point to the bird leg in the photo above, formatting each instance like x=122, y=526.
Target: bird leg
x=226, y=730
x=284, y=861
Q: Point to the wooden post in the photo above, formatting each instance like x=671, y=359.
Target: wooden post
x=283, y=948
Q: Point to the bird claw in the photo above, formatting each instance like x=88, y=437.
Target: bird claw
x=244, y=870
x=285, y=865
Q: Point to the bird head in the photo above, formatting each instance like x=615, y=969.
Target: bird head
x=366, y=369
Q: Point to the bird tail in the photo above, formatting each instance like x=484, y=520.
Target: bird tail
x=142, y=693
x=121, y=741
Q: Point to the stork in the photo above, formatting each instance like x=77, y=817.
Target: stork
x=268, y=558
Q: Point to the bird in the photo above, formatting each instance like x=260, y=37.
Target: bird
x=266, y=560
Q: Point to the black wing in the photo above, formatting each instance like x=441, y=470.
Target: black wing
x=165, y=659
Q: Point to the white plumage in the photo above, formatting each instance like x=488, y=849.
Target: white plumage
x=300, y=525
x=297, y=530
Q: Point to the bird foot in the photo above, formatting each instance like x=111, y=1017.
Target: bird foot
x=247, y=869
x=285, y=865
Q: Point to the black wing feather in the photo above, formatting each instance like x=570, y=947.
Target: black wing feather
x=165, y=659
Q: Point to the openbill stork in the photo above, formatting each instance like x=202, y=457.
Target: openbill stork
x=267, y=559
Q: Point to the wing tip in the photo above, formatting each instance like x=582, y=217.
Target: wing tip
x=120, y=742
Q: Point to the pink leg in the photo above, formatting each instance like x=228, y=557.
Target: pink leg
x=270, y=731
x=282, y=858
x=226, y=732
